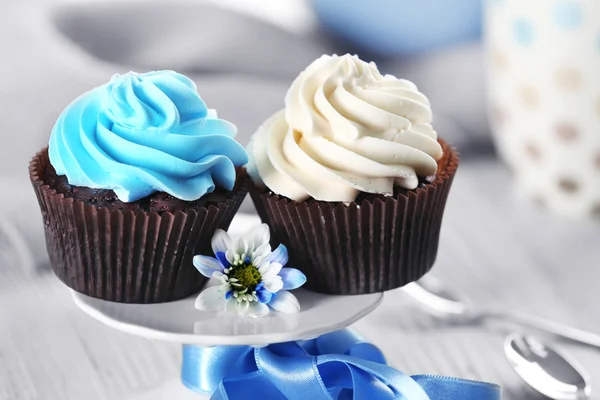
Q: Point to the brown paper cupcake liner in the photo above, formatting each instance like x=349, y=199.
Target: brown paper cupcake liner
x=128, y=256
x=379, y=244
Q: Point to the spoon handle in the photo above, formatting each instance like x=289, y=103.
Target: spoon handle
x=554, y=328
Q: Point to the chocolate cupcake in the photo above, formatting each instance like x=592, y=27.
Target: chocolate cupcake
x=352, y=177
x=137, y=177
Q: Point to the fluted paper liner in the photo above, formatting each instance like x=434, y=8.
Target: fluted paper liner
x=129, y=257
x=379, y=245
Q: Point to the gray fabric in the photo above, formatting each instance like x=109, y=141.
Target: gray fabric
x=190, y=37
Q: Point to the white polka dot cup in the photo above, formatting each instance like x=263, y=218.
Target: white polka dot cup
x=544, y=98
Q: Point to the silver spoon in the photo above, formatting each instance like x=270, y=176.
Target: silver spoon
x=444, y=303
x=546, y=370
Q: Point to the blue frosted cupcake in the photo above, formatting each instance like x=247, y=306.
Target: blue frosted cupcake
x=137, y=177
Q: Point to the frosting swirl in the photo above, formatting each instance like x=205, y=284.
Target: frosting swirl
x=346, y=129
x=142, y=133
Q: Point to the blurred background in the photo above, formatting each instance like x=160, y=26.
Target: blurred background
x=513, y=85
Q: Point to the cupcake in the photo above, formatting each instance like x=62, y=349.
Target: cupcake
x=352, y=177
x=137, y=177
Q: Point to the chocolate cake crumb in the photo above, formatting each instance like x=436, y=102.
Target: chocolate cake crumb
x=156, y=202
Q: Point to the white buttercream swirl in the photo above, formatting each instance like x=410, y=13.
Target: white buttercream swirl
x=346, y=129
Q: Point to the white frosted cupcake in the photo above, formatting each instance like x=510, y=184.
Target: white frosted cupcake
x=352, y=178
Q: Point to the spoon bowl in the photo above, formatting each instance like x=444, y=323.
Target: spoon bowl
x=546, y=370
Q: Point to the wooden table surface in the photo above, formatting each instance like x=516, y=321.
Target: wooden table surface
x=497, y=249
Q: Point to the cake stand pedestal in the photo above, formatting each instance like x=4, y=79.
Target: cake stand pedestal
x=180, y=322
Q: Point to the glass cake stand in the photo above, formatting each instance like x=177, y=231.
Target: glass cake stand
x=180, y=322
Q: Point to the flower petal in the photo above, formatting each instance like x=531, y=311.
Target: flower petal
x=292, y=278
x=279, y=255
x=264, y=296
x=273, y=284
x=285, y=302
x=210, y=299
x=260, y=235
x=258, y=260
x=223, y=259
x=243, y=307
x=260, y=253
x=221, y=241
x=231, y=305
x=207, y=265
x=257, y=310
x=262, y=268
x=269, y=270
x=242, y=247
x=218, y=275
x=230, y=256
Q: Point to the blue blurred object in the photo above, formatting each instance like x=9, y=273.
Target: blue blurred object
x=399, y=27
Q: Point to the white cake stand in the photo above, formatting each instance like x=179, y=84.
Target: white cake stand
x=180, y=322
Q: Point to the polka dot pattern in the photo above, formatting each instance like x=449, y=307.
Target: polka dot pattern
x=568, y=14
x=543, y=62
x=533, y=151
x=568, y=185
x=567, y=132
x=529, y=96
x=568, y=79
x=523, y=31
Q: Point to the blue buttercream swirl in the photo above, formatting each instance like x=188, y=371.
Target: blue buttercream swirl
x=143, y=133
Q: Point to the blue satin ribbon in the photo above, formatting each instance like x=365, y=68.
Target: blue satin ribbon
x=339, y=365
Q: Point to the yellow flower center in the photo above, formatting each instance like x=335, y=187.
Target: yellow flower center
x=247, y=276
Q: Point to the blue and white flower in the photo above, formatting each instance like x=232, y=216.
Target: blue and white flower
x=253, y=279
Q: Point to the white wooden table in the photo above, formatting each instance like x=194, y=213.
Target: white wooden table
x=498, y=250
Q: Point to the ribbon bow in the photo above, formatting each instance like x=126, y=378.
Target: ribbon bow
x=337, y=366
